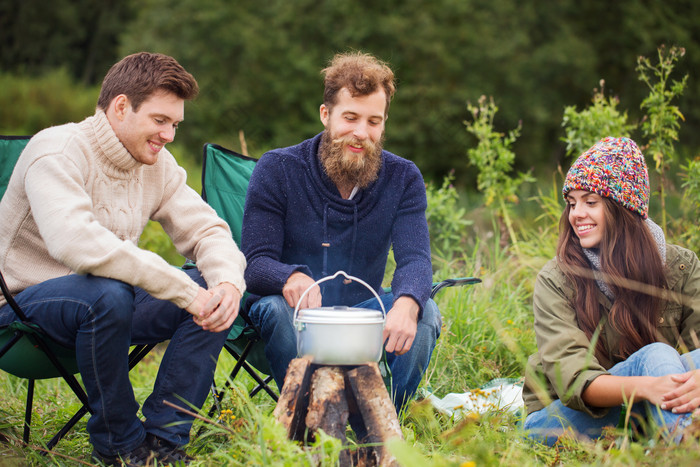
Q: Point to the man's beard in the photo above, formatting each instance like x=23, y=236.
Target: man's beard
x=347, y=169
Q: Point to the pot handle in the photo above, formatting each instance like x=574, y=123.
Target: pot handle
x=327, y=278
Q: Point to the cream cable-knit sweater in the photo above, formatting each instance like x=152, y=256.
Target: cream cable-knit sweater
x=77, y=202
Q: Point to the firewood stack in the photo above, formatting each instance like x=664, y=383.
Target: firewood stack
x=328, y=397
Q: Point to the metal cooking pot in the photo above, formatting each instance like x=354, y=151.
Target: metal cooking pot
x=339, y=335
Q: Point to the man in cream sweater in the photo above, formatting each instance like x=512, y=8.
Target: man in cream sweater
x=75, y=207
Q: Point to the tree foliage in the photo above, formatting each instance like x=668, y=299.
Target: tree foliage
x=493, y=158
x=258, y=63
x=78, y=35
x=258, y=66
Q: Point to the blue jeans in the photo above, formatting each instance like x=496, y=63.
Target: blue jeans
x=274, y=318
x=657, y=359
x=101, y=318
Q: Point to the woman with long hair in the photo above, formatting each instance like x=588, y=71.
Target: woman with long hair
x=617, y=311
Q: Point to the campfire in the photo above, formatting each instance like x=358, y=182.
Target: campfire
x=329, y=397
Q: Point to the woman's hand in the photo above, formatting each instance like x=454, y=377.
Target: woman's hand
x=685, y=397
x=611, y=391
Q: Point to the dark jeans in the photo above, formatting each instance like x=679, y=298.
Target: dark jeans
x=101, y=318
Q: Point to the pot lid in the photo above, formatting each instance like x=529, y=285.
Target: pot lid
x=340, y=315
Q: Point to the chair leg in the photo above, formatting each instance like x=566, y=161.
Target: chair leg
x=241, y=363
x=67, y=427
x=266, y=387
x=138, y=353
x=28, y=411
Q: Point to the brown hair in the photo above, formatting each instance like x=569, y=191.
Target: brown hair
x=141, y=74
x=362, y=74
x=632, y=268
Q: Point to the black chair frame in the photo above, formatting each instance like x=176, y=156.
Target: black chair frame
x=135, y=356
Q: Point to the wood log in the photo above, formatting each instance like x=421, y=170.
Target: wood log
x=377, y=410
x=328, y=407
x=293, y=401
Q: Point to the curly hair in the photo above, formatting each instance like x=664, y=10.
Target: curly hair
x=361, y=74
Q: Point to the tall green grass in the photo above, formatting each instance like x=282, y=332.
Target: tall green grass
x=487, y=333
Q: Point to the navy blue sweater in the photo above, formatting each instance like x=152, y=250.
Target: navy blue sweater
x=293, y=209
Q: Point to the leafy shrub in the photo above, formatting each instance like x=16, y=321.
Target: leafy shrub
x=494, y=160
x=661, y=123
x=691, y=195
x=447, y=221
x=586, y=127
x=30, y=104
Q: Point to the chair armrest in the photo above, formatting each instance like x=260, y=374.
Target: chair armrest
x=453, y=282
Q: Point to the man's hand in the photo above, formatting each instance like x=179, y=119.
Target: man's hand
x=401, y=325
x=215, y=309
x=295, y=286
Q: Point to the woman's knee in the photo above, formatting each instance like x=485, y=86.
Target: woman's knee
x=655, y=359
x=657, y=350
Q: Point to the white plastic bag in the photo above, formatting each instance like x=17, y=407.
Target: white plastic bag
x=497, y=395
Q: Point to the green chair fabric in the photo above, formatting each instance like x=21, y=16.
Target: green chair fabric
x=10, y=149
x=225, y=177
x=24, y=361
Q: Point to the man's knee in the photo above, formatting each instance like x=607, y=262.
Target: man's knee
x=271, y=308
x=431, y=321
x=112, y=300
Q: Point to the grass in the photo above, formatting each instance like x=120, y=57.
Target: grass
x=487, y=333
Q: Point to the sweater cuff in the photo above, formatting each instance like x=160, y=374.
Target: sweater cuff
x=188, y=295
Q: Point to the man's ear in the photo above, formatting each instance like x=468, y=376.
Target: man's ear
x=324, y=113
x=120, y=105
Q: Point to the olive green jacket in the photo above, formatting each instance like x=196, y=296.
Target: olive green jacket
x=565, y=365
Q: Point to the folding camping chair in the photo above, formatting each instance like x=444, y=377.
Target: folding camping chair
x=225, y=177
x=25, y=350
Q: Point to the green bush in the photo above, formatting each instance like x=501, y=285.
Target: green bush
x=447, y=221
x=586, y=127
x=29, y=104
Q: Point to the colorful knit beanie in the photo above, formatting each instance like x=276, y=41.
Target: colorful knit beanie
x=613, y=168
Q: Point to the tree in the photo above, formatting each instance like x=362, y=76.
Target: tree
x=79, y=35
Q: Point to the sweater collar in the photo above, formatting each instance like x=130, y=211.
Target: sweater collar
x=118, y=162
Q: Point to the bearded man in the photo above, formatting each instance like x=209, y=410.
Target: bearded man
x=336, y=202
